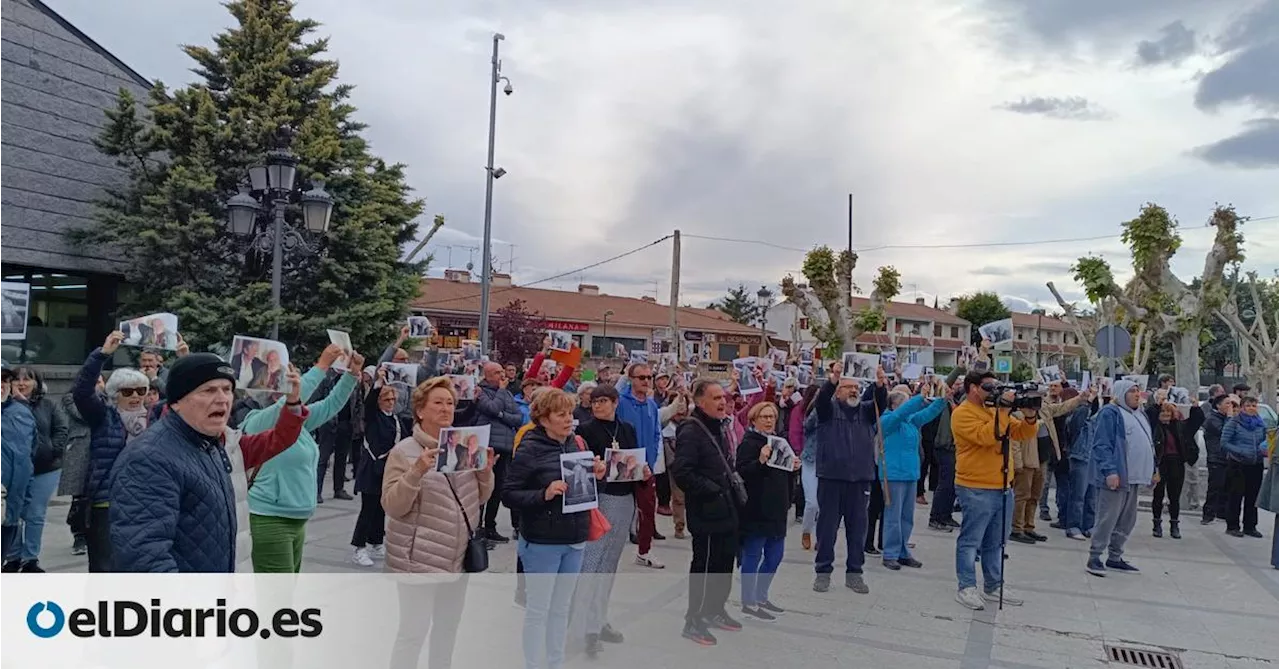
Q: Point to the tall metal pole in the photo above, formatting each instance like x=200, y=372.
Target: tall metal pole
x=277, y=264
x=486, y=262
x=850, y=222
x=675, y=295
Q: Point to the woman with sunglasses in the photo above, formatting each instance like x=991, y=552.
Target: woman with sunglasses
x=113, y=423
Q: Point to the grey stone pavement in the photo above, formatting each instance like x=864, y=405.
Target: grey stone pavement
x=1209, y=599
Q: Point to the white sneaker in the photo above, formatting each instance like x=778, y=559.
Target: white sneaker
x=650, y=562
x=361, y=557
x=970, y=598
x=1009, y=598
x=378, y=552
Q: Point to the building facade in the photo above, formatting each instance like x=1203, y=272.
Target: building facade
x=917, y=332
x=57, y=84
x=596, y=321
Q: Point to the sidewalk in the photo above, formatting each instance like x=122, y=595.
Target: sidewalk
x=1210, y=599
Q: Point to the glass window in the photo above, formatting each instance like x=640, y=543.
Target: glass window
x=955, y=332
x=727, y=352
x=937, y=330
x=57, y=321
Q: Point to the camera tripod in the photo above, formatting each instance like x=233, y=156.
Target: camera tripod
x=1004, y=501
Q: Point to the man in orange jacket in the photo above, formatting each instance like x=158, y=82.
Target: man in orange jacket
x=983, y=480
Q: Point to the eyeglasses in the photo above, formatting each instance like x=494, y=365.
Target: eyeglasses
x=133, y=392
x=643, y=377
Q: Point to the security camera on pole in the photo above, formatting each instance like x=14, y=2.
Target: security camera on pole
x=491, y=173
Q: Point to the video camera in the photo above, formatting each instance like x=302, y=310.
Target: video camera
x=1025, y=396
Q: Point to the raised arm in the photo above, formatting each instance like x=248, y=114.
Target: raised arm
x=258, y=448
x=84, y=389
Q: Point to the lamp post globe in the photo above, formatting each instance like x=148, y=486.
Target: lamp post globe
x=317, y=208
x=242, y=212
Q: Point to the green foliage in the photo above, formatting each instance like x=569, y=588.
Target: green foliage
x=1095, y=275
x=517, y=333
x=1152, y=238
x=168, y=222
x=869, y=320
x=740, y=305
x=888, y=282
x=982, y=308
x=1022, y=372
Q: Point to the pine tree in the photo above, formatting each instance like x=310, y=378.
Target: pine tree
x=739, y=305
x=188, y=151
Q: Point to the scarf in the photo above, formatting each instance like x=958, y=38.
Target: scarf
x=135, y=422
x=1251, y=423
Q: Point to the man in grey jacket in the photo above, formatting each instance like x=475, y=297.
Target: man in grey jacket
x=497, y=408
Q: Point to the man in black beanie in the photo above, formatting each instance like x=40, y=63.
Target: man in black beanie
x=174, y=490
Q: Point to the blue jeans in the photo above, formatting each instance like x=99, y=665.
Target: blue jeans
x=760, y=558
x=899, y=519
x=1081, y=504
x=809, y=481
x=982, y=531
x=551, y=574
x=26, y=546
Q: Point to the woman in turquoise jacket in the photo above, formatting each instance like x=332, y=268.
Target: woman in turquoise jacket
x=282, y=492
x=901, y=467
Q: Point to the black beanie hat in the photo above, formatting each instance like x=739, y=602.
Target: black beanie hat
x=194, y=370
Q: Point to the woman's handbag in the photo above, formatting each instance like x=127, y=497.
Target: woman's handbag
x=475, y=558
x=600, y=525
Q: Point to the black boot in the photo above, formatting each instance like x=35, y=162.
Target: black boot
x=1174, y=533
x=1156, y=530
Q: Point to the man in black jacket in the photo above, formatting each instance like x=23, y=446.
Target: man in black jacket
x=701, y=469
x=336, y=436
x=1221, y=409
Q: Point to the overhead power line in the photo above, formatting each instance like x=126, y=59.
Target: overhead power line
x=571, y=272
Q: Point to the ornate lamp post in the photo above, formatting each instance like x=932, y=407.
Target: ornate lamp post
x=257, y=213
x=764, y=300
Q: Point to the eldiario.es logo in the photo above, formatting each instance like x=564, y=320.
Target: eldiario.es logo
x=124, y=618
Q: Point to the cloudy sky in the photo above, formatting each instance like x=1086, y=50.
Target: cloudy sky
x=953, y=122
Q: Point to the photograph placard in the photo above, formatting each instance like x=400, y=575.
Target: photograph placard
x=463, y=449
x=151, y=331
x=560, y=340
x=638, y=357
x=464, y=385
x=778, y=357
x=619, y=350
x=912, y=371
x=781, y=456
x=260, y=365
x=999, y=333
x=471, y=349
x=859, y=365
x=419, y=327
x=578, y=471
x=889, y=361
x=15, y=297
x=342, y=339
x=744, y=370
x=401, y=373
x=1051, y=373
x=624, y=465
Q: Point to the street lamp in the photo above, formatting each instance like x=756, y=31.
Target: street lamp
x=491, y=173
x=764, y=299
x=269, y=190
x=605, y=330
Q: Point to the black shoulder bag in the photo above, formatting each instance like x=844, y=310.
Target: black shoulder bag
x=476, y=557
x=736, y=485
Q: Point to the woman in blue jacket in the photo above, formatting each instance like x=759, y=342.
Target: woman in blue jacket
x=1244, y=440
x=18, y=437
x=901, y=468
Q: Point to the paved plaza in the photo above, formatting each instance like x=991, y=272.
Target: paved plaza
x=1210, y=599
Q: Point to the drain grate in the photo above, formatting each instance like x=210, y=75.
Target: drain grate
x=1141, y=657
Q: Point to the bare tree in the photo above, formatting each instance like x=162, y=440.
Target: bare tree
x=1258, y=354
x=827, y=299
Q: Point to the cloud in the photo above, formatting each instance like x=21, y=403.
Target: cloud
x=1073, y=108
x=1257, y=146
x=1251, y=46
x=630, y=120
x=1176, y=42
x=993, y=271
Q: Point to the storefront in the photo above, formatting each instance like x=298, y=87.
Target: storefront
x=69, y=315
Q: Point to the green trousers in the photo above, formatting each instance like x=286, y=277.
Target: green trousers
x=277, y=544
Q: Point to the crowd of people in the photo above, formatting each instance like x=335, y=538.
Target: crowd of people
x=172, y=470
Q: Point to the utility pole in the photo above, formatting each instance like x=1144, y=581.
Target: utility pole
x=850, y=223
x=486, y=263
x=676, y=342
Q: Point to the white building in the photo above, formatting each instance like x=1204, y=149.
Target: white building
x=920, y=333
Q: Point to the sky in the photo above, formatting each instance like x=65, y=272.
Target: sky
x=951, y=122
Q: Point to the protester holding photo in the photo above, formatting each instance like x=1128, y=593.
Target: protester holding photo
x=901, y=466
x=552, y=542
x=383, y=429
x=428, y=514
x=51, y=439
x=637, y=407
x=763, y=521
x=1174, y=439
x=282, y=496
x=600, y=433
x=497, y=408
x=427, y=369
x=114, y=421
